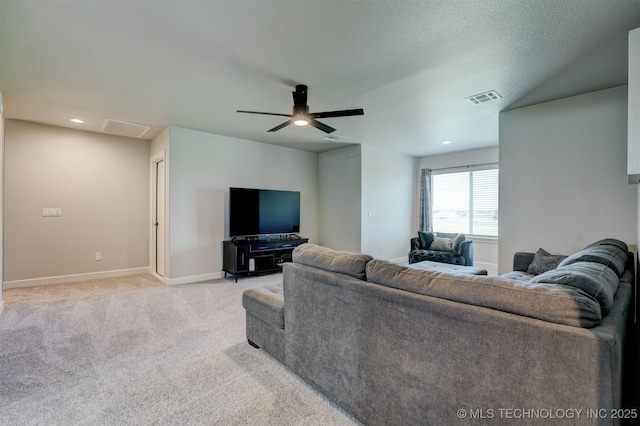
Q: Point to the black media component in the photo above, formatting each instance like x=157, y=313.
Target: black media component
x=257, y=255
x=255, y=212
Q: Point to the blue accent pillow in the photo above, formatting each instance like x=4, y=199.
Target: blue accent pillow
x=425, y=238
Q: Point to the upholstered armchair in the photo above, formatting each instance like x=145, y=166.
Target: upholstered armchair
x=441, y=247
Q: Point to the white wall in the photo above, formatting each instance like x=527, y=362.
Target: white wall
x=388, y=202
x=563, y=180
x=485, y=252
x=101, y=184
x=202, y=168
x=340, y=198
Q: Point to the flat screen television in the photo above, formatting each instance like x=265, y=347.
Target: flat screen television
x=263, y=211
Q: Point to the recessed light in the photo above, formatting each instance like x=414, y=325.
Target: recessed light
x=77, y=121
x=446, y=142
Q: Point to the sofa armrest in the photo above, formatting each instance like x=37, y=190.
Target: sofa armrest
x=466, y=250
x=522, y=260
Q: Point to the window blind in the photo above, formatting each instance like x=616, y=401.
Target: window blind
x=466, y=202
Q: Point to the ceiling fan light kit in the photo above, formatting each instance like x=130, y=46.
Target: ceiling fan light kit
x=301, y=115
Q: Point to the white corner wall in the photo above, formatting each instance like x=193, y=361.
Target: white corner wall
x=388, y=202
x=202, y=168
x=563, y=175
x=340, y=198
x=101, y=183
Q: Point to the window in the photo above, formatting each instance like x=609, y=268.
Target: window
x=466, y=202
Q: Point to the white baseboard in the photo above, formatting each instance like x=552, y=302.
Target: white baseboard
x=191, y=279
x=75, y=277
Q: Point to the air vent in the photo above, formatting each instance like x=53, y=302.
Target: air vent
x=485, y=97
x=123, y=128
x=334, y=138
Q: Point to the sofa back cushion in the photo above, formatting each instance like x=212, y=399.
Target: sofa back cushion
x=608, y=252
x=342, y=262
x=549, y=302
x=595, y=279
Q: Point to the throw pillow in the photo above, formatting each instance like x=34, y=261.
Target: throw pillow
x=544, y=261
x=425, y=238
x=457, y=241
x=455, y=237
x=441, y=244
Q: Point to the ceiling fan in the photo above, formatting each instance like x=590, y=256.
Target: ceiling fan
x=301, y=115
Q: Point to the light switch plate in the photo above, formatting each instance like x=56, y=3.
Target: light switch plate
x=51, y=212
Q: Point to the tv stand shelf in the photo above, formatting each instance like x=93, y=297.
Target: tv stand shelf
x=257, y=255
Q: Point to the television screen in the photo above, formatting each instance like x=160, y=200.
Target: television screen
x=263, y=211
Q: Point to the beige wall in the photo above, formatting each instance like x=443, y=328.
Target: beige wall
x=563, y=175
x=388, y=202
x=100, y=182
x=340, y=177
x=202, y=168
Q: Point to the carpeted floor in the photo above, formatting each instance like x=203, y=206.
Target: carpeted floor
x=133, y=351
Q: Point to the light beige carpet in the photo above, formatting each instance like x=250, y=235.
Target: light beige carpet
x=133, y=351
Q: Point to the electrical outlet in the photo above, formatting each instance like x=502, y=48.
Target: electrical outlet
x=51, y=212
x=98, y=256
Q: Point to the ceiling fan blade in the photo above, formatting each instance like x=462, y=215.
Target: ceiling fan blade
x=265, y=113
x=285, y=124
x=321, y=126
x=343, y=113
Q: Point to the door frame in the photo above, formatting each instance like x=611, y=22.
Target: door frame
x=155, y=159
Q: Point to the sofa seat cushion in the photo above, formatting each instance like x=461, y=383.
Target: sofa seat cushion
x=450, y=268
x=607, y=252
x=595, y=279
x=549, y=302
x=352, y=264
x=518, y=276
x=436, y=256
x=266, y=303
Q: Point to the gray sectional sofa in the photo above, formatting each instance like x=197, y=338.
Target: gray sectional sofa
x=392, y=344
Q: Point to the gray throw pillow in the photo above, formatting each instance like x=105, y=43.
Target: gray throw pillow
x=544, y=261
x=457, y=239
x=441, y=244
x=595, y=279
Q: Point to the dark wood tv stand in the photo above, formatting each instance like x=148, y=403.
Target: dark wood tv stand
x=257, y=255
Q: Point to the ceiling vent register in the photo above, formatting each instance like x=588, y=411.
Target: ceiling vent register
x=485, y=97
x=123, y=128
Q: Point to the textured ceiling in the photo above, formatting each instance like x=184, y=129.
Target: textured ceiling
x=409, y=64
